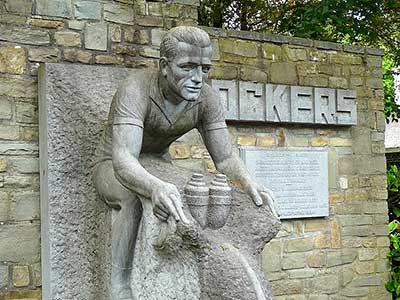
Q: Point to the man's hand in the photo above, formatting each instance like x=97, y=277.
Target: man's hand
x=167, y=201
x=259, y=194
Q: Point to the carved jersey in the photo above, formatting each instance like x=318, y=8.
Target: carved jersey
x=139, y=102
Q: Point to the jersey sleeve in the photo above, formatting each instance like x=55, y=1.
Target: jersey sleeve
x=129, y=107
x=213, y=112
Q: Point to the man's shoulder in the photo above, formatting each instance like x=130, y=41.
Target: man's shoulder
x=139, y=75
x=138, y=82
x=133, y=94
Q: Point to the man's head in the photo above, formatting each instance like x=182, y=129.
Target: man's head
x=185, y=61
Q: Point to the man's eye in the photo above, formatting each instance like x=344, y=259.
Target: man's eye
x=187, y=67
x=205, y=69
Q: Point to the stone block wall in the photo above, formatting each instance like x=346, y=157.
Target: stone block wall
x=122, y=33
x=339, y=257
x=342, y=256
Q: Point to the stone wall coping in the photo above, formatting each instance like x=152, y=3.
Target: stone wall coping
x=283, y=39
x=393, y=150
x=186, y=2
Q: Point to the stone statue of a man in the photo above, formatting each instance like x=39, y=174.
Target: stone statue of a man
x=150, y=111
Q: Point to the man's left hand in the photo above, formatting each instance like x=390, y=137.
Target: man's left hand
x=260, y=194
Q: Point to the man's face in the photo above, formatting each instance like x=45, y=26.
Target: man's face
x=187, y=72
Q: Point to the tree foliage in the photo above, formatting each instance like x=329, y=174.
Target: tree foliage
x=364, y=22
x=393, y=186
x=391, y=109
x=393, y=285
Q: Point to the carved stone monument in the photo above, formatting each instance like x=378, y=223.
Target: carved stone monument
x=174, y=234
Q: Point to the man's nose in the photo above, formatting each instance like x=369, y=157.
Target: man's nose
x=197, y=74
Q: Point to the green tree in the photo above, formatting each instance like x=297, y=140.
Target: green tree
x=364, y=22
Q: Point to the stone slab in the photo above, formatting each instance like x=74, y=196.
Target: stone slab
x=54, y=8
x=87, y=10
x=3, y=276
x=96, y=36
x=75, y=224
x=27, y=36
x=117, y=13
x=298, y=178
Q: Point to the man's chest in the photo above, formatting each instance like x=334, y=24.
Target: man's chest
x=160, y=123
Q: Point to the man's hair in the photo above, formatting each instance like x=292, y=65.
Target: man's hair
x=187, y=34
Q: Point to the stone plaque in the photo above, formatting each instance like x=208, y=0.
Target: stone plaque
x=298, y=178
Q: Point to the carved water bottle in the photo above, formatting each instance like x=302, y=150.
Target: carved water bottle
x=196, y=195
x=220, y=202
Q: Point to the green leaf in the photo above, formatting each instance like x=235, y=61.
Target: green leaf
x=396, y=245
x=393, y=226
x=390, y=286
x=396, y=211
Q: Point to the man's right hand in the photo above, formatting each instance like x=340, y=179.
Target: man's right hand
x=167, y=201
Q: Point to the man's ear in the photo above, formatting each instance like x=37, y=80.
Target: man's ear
x=163, y=63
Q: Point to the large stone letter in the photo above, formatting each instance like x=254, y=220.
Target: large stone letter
x=346, y=107
x=228, y=92
x=252, y=102
x=278, y=103
x=302, y=104
x=325, y=106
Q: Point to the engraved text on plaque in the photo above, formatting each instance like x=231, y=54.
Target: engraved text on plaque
x=298, y=178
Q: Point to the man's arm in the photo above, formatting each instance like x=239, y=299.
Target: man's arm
x=218, y=144
x=127, y=143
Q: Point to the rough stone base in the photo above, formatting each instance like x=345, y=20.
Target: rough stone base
x=195, y=263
